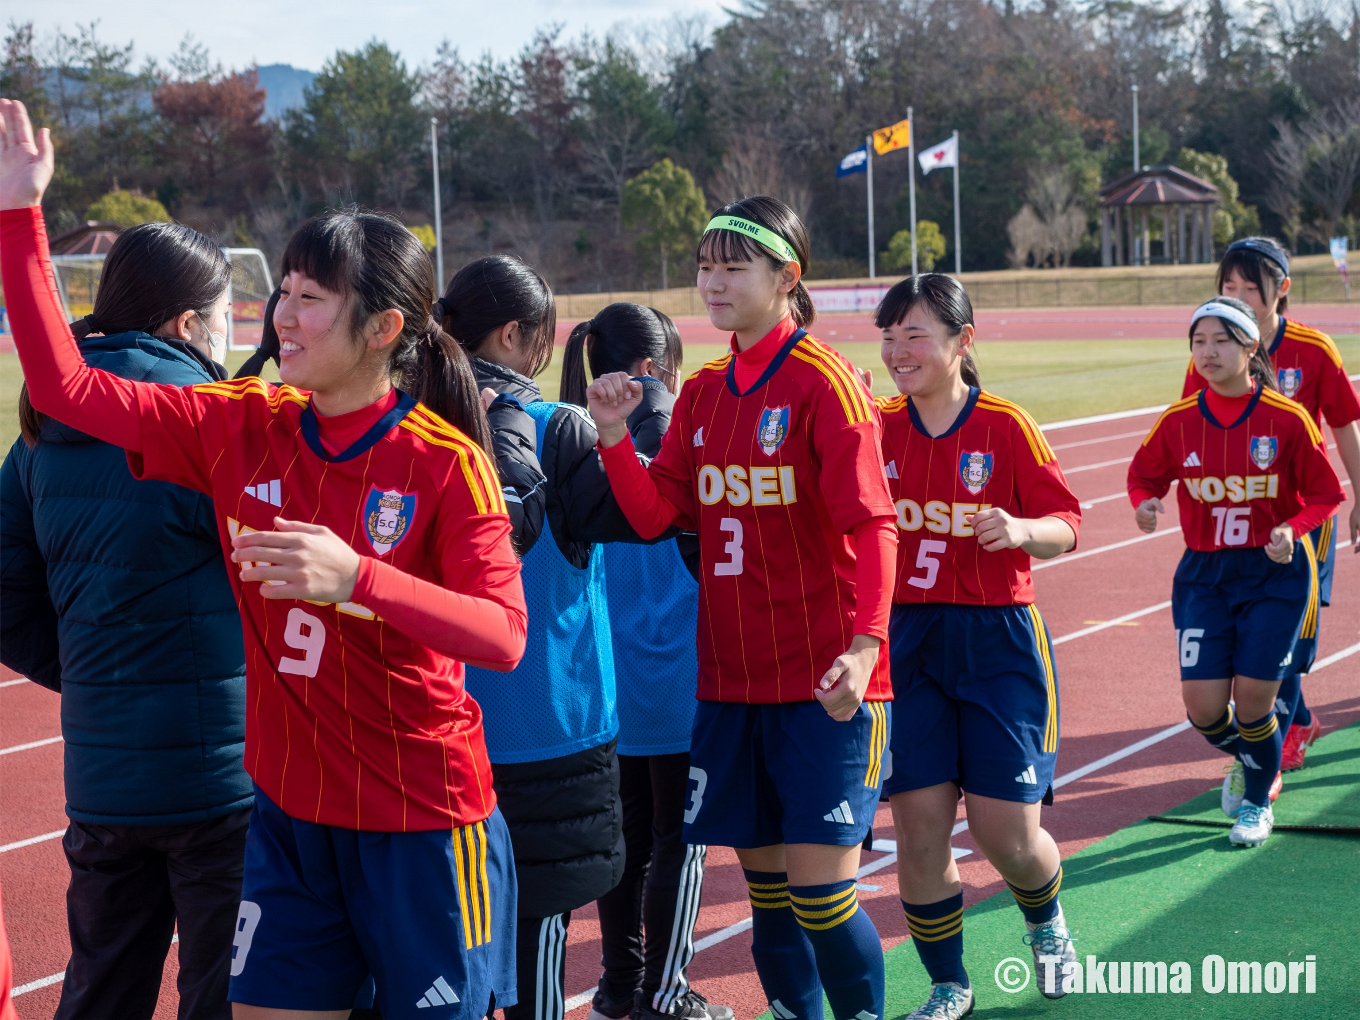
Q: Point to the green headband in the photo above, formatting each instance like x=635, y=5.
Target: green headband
x=763, y=236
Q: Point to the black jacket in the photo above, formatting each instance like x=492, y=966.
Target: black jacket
x=647, y=425
x=578, y=501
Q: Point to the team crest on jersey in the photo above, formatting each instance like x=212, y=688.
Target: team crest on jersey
x=1290, y=380
x=388, y=515
x=1264, y=450
x=773, y=428
x=975, y=470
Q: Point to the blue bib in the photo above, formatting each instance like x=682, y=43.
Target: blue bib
x=560, y=698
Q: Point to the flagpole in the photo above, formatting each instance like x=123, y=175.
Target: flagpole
x=869, y=169
x=438, y=215
x=911, y=183
x=958, y=244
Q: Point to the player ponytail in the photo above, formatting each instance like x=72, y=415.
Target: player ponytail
x=490, y=292
x=733, y=246
x=376, y=262
x=946, y=300
x=620, y=335
x=153, y=273
x=1262, y=371
x=269, y=342
x=1261, y=261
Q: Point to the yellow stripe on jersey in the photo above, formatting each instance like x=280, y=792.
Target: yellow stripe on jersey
x=1310, y=615
x=891, y=405
x=474, y=890
x=833, y=358
x=717, y=365
x=854, y=401
x=1285, y=404
x=1309, y=335
x=1179, y=405
x=430, y=420
x=878, y=741
x=240, y=388
x=1050, y=679
x=1038, y=445
x=473, y=463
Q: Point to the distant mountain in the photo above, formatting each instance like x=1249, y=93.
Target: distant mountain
x=283, y=85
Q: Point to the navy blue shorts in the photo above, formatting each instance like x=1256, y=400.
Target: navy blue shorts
x=1238, y=613
x=976, y=701
x=1324, y=547
x=328, y=915
x=761, y=775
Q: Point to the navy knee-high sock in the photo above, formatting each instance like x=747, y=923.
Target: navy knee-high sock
x=937, y=933
x=1039, y=905
x=1289, y=701
x=845, y=941
x=1259, y=745
x=1222, y=732
x=1302, y=717
x=783, y=956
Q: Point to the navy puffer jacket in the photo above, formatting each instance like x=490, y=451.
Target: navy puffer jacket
x=126, y=582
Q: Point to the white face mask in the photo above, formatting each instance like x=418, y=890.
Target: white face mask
x=217, y=343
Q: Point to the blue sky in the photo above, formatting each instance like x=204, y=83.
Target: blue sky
x=305, y=32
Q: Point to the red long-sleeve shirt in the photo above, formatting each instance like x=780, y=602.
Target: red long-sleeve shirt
x=356, y=713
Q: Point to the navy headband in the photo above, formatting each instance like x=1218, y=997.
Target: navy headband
x=1276, y=255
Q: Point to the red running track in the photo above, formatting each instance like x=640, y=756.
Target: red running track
x=1119, y=686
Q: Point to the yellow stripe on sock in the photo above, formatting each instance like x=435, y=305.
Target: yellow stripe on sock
x=1217, y=729
x=1038, y=897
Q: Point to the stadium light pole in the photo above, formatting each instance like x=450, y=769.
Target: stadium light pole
x=438, y=214
x=869, y=186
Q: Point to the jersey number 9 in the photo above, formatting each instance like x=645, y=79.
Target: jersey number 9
x=308, y=635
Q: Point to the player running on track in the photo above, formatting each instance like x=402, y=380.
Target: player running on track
x=975, y=713
x=773, y=457
x=1308, y=369
x=1254, y=481
x=372, y=558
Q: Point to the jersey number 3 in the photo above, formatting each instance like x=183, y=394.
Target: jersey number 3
x=733, y=564
x=308, y=635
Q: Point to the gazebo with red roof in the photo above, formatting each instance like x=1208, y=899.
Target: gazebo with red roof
x=1126, y=206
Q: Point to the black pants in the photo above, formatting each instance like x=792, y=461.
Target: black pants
x=130, y=884
x=540, y=968
x=662, y=879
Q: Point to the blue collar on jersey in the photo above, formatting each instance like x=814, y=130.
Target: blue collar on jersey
x=1251, y=406
x=973, y=393
x=1279, y=337
x=380, y=428
x=770, y=369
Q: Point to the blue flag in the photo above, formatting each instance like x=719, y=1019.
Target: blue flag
x=856, y=162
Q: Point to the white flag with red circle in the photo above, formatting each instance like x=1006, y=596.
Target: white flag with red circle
x=945, y=154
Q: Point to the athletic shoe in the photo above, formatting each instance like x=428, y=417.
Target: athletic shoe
x=1253, y=825
x=1235, y=788
x=1051, y=939
x=690, y=1006
x=948, y=1001
x=602, y=1007
x=1296, y=744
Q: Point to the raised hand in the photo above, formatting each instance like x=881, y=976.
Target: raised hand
x=298, y=561
x=26, y=162
x=612, y=398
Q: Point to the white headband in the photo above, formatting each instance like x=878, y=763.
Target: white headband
x=1221, y=311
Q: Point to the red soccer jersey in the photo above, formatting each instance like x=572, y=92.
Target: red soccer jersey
x=1240, y=480
x=348, y=721
x=773, y=479
x=993, y=455
x=1308, y=369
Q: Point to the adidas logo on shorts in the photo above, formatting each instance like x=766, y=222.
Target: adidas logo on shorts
x=1028, y=777
x=840, y=814
x=1192, y=460
x=438, y=994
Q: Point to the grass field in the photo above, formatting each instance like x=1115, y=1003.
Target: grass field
x=1053, y=380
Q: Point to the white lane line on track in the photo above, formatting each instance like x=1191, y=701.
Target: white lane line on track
x=30, y=745
x=1072, y=557
x=1102, y=439
x=1096, y=419
x=1086, y=504
x=14, y=683
x=31, y=840
x=1113, y=623
x=1099, y=464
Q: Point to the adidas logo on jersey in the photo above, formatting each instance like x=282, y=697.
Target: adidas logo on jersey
x=438, y=994
x=1028, y=777
x=1192, y=460
x=270, y=492
x=781, y=1011
x=699, y=437
x=890, y=469
x=840, y=814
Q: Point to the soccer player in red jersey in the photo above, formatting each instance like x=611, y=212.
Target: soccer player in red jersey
x=772, y=457
x=978, y=493
x=1255, y=479
x=1308, y=369
x=373, y=558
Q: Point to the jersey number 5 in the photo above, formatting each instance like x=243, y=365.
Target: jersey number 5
x=925, y=560
x=308, y=635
